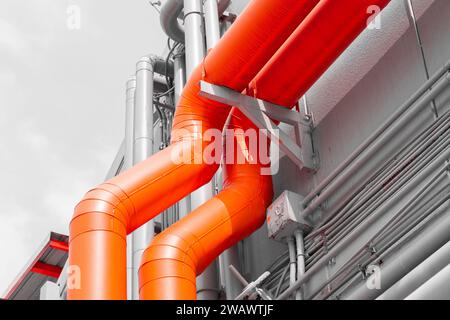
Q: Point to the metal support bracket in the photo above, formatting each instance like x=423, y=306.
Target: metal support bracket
x=262, y=114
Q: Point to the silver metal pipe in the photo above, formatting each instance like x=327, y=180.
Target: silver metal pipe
x=329, y=185
x=298, y=234
x=207, y=282
x=357, y=232
x=179, y=75
x=212, y=23
x=194, y=34
x=170, y=11
x=419, y=275
x=143, y=148
x=230, y=258
x=179, y=82
x=128, y=163
x=129, y=120
x=437, y=288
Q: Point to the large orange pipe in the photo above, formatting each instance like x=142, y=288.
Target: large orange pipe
x=112, y=210
x=173, y=260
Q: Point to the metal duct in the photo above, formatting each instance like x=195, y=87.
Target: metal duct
x=117, y=207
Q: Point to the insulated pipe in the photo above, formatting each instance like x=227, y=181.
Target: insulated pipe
x=186, y=248
x=419, y=275
x=437, y=288
x=117, y=207
x=317, y=42
x=177, y=255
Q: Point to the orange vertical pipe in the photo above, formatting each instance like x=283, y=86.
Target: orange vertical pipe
x=107, y=213
x=173, y=260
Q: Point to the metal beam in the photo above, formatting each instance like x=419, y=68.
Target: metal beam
x=260, y=113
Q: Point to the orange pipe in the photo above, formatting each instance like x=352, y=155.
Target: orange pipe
x=317, y=42
x=171, y=263
x=107, y=213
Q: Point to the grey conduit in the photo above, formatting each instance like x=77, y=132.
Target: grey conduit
x=372, y=144
x=357, y=232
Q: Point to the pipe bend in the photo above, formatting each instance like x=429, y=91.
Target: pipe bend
x=169, y=20
x=156, y=64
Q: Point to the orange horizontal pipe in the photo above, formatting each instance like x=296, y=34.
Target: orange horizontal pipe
x=311, y=49
x=107, y=213
x=180, y=253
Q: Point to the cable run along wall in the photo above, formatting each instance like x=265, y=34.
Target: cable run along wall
x=110, y=211
x=185, y=249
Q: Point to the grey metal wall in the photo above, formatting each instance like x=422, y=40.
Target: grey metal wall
x=390, y=82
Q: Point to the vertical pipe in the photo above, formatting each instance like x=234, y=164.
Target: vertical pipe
x=143, y=148
x=128, y=163
x=292, y=261
x=207, y=282
x=194, y=34
x=212, y=23
x=300, y=260
x=179, y=82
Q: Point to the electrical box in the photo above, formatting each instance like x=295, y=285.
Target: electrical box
x=283, y=216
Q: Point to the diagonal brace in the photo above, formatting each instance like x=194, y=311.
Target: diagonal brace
x=261, y=113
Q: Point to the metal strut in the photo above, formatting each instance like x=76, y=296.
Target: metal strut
x=262, y=114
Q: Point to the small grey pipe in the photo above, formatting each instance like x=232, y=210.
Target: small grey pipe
x=357, y=232
x=419, y=275
x=298, y=234
x=386, y=131
x=413, y=99
x=292, y=261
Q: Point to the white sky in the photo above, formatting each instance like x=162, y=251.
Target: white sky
x=61, y=110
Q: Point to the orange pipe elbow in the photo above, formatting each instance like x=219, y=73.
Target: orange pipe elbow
x=176, y=256
x=97, y=247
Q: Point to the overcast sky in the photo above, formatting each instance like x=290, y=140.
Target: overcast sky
x=61, y=109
